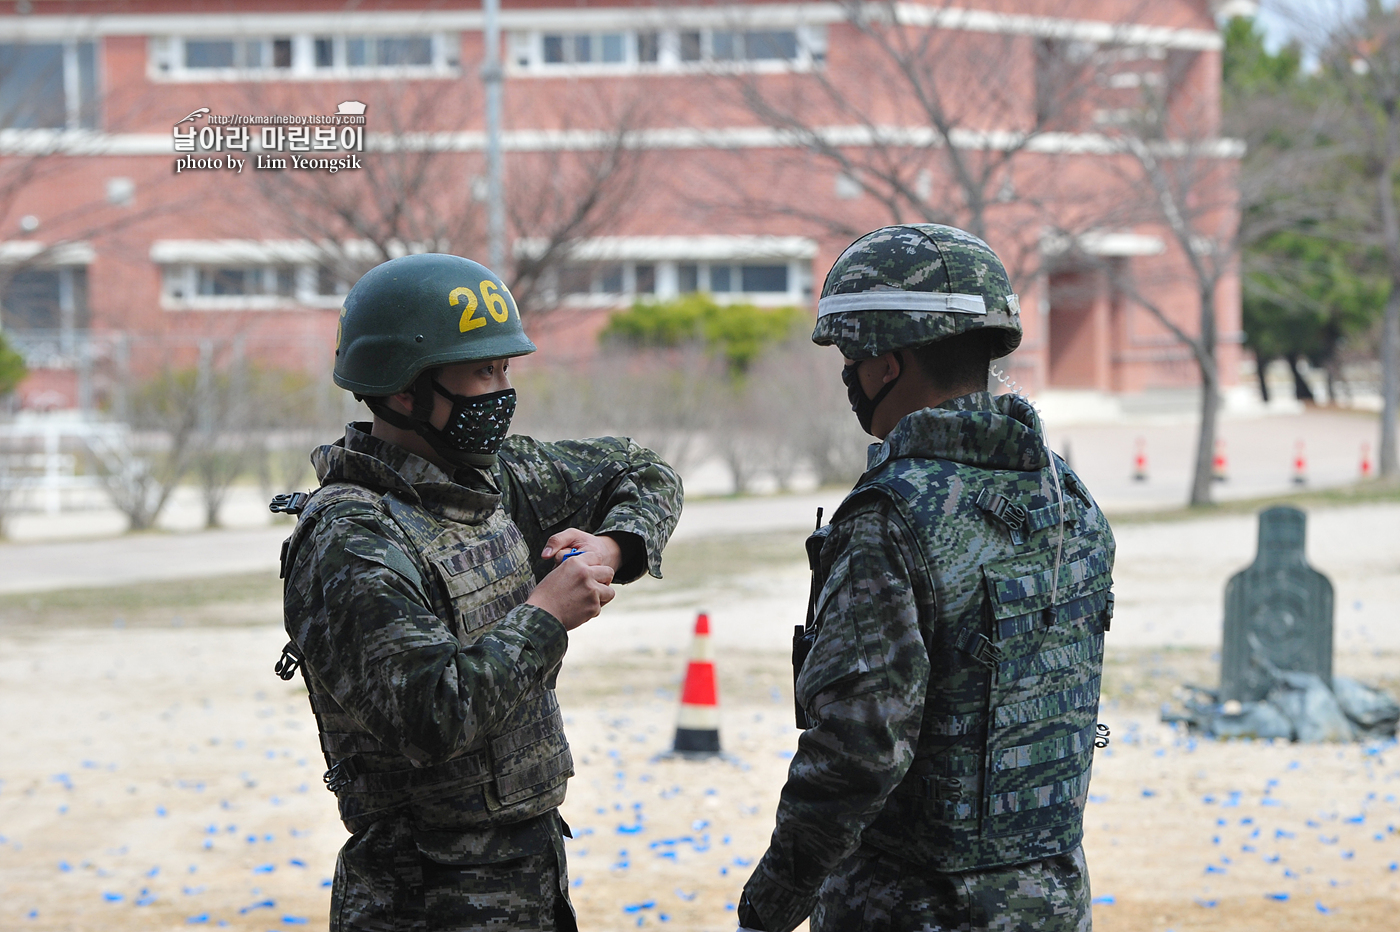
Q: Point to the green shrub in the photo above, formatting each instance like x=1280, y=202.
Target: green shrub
x=12, y=369
x=739, y=332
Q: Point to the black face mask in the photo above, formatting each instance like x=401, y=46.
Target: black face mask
x=865, y=407
x=476, y=427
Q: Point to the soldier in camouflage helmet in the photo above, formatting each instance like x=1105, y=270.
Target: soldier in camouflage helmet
x=429, y=586
x=947, y=678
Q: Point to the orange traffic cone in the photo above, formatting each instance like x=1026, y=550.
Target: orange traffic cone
x=1219, y=467
x=1300, y=465
x=1140, y=460
x=1365, y=461
x=697, y=729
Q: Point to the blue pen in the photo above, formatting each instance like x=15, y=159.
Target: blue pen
x=572, y=553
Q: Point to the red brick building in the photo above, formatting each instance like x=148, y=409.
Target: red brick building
x=741, y=147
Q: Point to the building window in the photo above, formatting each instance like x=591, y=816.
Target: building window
x=606, y=284
x=687, y=277
x=543, y=52
x=758, y=279
x=249, y=287
x=46, y=300
x=222, y=281
x=411, y=54
x=48, y=85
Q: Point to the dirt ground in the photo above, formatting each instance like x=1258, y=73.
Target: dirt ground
x=155, y=773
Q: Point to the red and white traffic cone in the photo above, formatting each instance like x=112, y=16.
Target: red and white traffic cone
x=1365, y=461
x=1220, y=466
x=1140, y=460
x=697, y=729
x=1300, y=465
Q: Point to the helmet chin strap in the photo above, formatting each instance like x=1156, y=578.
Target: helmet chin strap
x=423, y=392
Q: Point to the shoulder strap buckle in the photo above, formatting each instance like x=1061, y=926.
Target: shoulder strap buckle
x=980, y=648
x=290, y=503
x=291, y=659
x=342, y=773
x=1004, y=510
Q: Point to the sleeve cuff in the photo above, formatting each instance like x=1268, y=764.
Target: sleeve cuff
x=646, y=557
x=544, y=632
x=781, y=909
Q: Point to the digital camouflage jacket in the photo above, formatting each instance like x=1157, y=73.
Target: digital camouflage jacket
x=431, y=681
x=952, y=684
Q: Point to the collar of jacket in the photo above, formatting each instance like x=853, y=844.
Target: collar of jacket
x=384, y=467
x=977, y=429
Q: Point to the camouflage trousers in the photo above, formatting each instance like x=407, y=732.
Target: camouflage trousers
x=385, y=883
x=877, y=892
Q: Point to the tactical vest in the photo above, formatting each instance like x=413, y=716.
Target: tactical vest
x=474, y=575
x=1001, y=771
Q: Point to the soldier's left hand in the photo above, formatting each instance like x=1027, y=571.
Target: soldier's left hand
x=560, y=546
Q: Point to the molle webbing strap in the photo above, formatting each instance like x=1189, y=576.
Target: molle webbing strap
x=1039, y=797
x=528, y=734
x=1023, y=587
x=1043, y=707
x=1040, y=752
x=1056, y=658
x=522, y=782
x=1073, y=611
x=951, y=725
x=1019, y=520
x=337, y=744
x=469, y=770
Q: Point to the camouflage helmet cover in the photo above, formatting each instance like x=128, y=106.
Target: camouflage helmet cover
x=916, y=283
x=420, y=311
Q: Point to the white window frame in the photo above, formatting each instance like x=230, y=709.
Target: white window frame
x=667, y=283
x=526, y=52
x=166, y=58
x=179, y=288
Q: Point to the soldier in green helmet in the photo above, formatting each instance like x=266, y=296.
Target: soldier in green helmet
x=947, y=679
x=430, y=584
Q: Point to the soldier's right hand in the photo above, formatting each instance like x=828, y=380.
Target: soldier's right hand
x=575, y=590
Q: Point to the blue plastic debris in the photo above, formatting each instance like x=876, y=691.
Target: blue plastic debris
x=1106, y=900
x=261, y=904
x=160, y=812
x=638, y=907
x=1208, y=904
x=297, y=862
x=1148, y=793
x=1212, y=869
x=197, y=920
x=326, y=882
x=1280, y=833
x=113, y=897
x=1276, y=896
x=1322, y=909
x=294, y=920
x=65, y=866
x=265, y=868
x=688, y=897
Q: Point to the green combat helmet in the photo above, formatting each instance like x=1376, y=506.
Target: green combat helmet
x=419, y=312
x=904, y=286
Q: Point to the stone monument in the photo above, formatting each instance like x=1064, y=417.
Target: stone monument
x=1278, y=613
